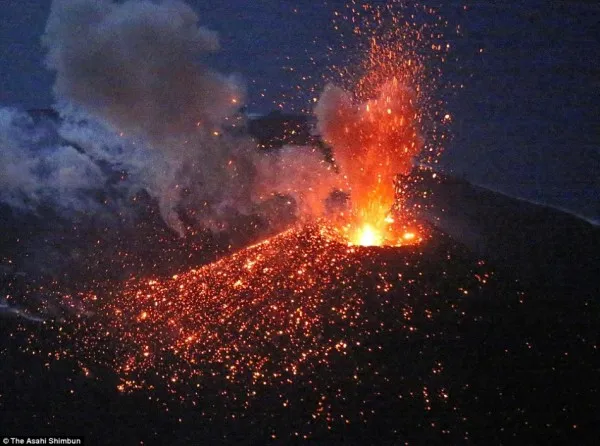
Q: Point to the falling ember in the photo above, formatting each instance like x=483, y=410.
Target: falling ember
x=301, y=310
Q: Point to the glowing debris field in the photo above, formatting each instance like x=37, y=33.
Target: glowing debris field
x=304, y=337
x=267, y=315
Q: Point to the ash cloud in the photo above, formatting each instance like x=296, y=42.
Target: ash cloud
x=137, y=67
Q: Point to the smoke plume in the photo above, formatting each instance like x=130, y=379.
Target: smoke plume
x=137, y=67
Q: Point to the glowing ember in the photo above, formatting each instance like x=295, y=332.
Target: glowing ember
x=267, y=315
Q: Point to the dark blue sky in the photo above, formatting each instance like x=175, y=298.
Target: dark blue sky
x=525, y=123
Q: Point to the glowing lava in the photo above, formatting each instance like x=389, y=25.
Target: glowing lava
x=408, y=236
x=301, y=310
x=374, y=144
x=368, y=236
x=267, y=314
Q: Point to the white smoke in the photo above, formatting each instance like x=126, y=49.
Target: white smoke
x=34, y=172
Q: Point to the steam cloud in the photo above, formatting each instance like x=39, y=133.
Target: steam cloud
x=31, y=173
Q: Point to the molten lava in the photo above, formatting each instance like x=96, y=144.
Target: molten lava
x=367, y=236
x=388, y=234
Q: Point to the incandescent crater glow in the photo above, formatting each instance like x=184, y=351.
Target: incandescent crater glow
x=367, y=236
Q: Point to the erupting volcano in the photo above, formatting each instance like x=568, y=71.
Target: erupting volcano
x=291, y=307
x=180, y=263
x=375, y=126
x=289, y=304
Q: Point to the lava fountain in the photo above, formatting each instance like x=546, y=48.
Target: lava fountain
x=374, y=143
x=374, y=126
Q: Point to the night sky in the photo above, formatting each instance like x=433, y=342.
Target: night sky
x=525, y=122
